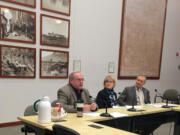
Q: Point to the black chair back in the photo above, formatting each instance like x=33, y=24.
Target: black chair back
x=53, y=104
x=61, y=130
x=171, y=95
x=28, y=112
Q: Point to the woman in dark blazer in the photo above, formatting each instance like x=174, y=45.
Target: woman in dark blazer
x=107, y=97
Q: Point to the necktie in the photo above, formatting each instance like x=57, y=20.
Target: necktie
x=141, y=97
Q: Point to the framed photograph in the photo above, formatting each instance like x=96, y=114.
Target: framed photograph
x=28, y=3
x=141, y=42
x=17, y=25
x=17, y=62
x=57, y=6
x=54, y=64
x=54, y=31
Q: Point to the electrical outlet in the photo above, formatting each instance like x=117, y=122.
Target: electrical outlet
x=111, y=66
x=77, y=66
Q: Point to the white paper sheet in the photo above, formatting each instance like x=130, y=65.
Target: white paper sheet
x=136, y=107
x=117, y=114
x=94, y=114
x=160, y=105
x=117, y=106
x=174, y=105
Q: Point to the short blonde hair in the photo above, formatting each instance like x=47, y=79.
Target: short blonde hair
x=109, y=78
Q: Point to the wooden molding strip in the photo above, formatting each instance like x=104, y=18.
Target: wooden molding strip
x=15, y=123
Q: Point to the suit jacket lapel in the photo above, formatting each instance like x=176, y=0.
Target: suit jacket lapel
x=144, y=92
x=73, y=93
x=134, y=95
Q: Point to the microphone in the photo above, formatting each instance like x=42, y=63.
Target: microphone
x=157, y=92
x=120, y=99
x=132, y=109
x=106, y=114
x=119, y=93
x=157, y=95
x=166, y=106
x=178, y=102
x=92, y=98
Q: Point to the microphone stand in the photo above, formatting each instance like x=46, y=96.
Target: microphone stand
x=132, y=109
x=166, y=106
x=178, y=99
x=106, y=114
x=157, y=95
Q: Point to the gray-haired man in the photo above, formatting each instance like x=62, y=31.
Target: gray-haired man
x=70, y=93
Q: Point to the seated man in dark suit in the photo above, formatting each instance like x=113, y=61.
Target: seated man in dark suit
x=70, y=93
x=137, y=94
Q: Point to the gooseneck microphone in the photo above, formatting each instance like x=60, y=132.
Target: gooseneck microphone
x=166, y=105
x=155, y=90
x=106, y=114
x=157, y=95
x=132, y=109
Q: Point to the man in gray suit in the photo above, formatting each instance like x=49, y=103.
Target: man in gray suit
x=137, y=94
x=69, y=94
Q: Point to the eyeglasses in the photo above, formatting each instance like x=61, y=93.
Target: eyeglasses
x=79, y=79
x=139, y=80
x=109, y=81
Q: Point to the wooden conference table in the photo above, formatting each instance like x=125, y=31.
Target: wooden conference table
x=81, y=124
